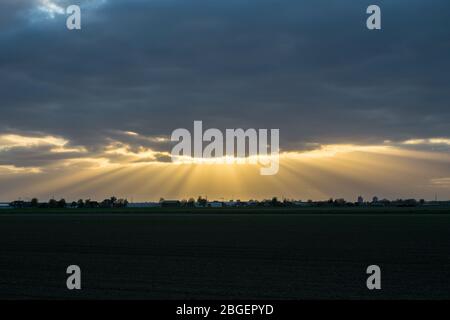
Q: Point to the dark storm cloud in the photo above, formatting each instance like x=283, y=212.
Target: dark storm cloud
x=310, y=68
x=11, y=12
x=38, y=156
x=135, y=141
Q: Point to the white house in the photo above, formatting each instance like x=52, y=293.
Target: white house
x=215, y=204
x=5, y=205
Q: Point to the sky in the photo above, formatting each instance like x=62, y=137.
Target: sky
x=89, y=113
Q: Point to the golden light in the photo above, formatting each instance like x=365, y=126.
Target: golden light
x=339, y=170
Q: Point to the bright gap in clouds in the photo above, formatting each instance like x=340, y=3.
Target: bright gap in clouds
x=58, y=7
x=51, y=8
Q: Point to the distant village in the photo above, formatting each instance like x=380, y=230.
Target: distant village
x=201, y=202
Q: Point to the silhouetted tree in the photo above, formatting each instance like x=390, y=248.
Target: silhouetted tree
x=61, y=203
x=34, y=203
x=120, y=203
x=80, y=203
x=201, y=201
x=52, y=203
x=275, y=202
x=106, y=203
x=190, y=203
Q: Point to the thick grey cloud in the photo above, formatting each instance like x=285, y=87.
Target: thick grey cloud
x=310, y=68
x=40, y=156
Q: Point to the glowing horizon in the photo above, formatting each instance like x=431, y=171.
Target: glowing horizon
x=336, y=170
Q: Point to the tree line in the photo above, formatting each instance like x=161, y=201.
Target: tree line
x=112, y=202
